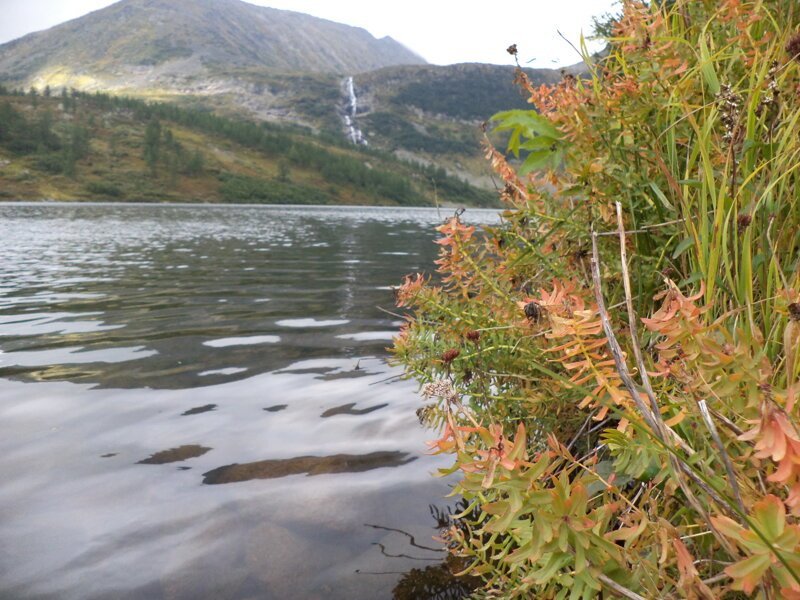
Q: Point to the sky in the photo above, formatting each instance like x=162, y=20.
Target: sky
x=441, y=31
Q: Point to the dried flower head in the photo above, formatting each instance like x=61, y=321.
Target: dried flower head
x=533, y=311
x=473, y=336
x=425, y=413
x=512, y=49
x=743, y=222
x=450, y=355
x=794, y=311
x=729, y=105
x=440, y=389
x=793, y=47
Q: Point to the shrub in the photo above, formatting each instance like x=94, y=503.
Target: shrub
x=614, y=369
x=104, y=189
x=238, y=188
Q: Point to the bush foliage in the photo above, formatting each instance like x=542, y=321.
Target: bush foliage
x=614, y=368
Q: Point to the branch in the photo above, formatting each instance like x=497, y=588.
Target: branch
x=619, y=589
x=679, y=466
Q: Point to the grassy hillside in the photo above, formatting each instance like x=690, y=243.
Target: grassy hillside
x=98, y=147
x=434, y=113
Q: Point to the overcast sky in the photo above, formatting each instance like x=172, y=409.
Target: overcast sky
x=441, y=31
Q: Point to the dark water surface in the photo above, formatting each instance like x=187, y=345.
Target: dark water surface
x=195, y=403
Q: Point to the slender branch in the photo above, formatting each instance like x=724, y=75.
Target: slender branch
x=622, y=368
x=663, y=429
x=613, y=344
x=726, y=460
x=716, y=579
x=637, y=351
x=580, y=431
x=619, y=589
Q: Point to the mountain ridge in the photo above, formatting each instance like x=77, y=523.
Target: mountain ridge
x=198, y=35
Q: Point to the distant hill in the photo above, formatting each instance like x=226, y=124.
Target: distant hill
x=154, y=42
x=100, y=147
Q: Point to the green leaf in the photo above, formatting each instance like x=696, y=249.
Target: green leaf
x=535, y=161
x=682, y=247
x=707, y=67
x=660, y=195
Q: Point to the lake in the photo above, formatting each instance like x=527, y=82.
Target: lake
x=195, y=402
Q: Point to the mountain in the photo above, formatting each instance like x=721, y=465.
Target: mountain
x=134, y=42
x=244, y=61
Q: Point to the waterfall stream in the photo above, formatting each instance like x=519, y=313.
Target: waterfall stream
x=353, y=132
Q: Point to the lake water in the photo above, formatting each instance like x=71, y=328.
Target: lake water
x=195, y=403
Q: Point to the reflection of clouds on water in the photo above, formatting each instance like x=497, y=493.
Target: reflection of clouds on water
x=310, y=322
x=226, y=371
x=242, y=341
x=368, y=336
x=84, y=271
x=67, y=356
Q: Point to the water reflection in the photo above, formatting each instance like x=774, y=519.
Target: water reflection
x=310, y=465
x=175, y=455
x=349, y=409
x=255, y=332
x=199, y=410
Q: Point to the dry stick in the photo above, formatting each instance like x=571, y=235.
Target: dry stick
x=725, y=458
x=620, y=590
x=637, y=351
x=727, y=422
x=663, y=429
x=580, y=431
x=622, y=369
x=613, y=344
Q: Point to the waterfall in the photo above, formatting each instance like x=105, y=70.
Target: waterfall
x=353, y=132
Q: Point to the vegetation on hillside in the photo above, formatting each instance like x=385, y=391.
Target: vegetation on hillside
x=75, y=145
x=615, y=368
x=436, y=112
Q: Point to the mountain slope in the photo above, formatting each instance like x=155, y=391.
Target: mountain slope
x=159, y=39
x=101, y=147
x=433, y=114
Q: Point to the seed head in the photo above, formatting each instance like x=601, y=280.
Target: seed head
x=793, y=47
x=794, y=311
x=441, y=388
x=743, y=222
x=728, y=104
x=512, y=49
x=533, y=311
x=473, y=336
x=450, y=355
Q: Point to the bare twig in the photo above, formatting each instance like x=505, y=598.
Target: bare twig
x=716, y=579
x=726, y=460
x=619, y=589
x=727, y=422
x=678, y=466
x=613, y=344
x=637, y=351
x=580, y=431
